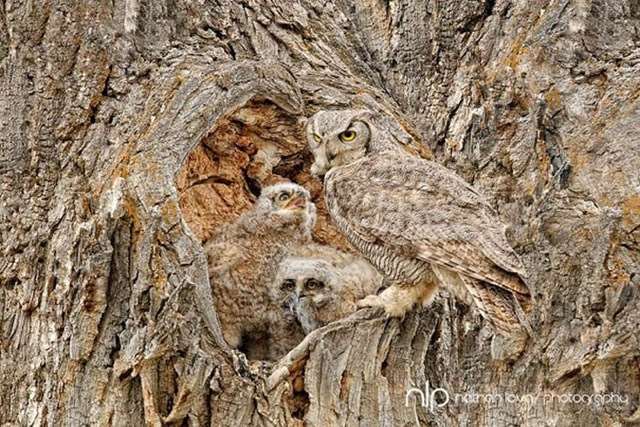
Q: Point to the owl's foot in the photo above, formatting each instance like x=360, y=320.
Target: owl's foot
x=395, y=301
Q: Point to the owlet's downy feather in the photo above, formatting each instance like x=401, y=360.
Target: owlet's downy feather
x=316, y=285
x=243, y=260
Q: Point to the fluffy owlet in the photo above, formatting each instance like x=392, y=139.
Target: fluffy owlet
x=317, y=285
x=243, y=260
x=416, y=221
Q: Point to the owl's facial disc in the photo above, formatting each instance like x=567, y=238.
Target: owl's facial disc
x=334, y=144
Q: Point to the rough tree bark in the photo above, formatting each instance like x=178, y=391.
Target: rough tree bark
x=131, y=129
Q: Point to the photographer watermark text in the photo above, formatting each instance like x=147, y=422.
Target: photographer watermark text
x=436, y=398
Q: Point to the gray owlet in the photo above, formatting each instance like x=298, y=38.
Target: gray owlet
x=317, y=285
x=416, y=221
x=243, y=260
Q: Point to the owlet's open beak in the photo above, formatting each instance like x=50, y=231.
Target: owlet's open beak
x=296, y=203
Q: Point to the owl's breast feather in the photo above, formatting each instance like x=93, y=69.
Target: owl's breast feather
x=342, y=191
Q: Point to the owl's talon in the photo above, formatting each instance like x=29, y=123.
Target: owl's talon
x=390, y=305
x=388, y=316
x=370, y=301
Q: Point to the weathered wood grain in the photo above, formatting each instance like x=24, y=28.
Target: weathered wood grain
x=130, y=130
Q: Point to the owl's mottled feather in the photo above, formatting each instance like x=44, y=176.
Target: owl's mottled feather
x=416, y=221
x=419, y=208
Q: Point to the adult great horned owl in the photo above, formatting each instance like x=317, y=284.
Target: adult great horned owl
x=317, y=285
x=243, y=259
x=415, y=220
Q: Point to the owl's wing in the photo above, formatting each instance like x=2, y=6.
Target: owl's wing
x=421, y=209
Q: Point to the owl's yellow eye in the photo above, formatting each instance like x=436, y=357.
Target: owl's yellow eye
x=317, y=138
x=347, y=136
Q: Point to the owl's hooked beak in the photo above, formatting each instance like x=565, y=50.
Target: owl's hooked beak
x=320, y=166
x=297, y=203
x=301, y=294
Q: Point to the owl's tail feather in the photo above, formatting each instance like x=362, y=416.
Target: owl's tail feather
x=500, y=307
x=485, y=272
x=509, y=281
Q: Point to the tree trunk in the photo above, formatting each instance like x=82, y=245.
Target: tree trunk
x=131, y=129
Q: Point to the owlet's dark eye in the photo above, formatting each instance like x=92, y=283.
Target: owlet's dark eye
x=347, y=136
x=288, y=285
x=314, y=284
x=282, y=197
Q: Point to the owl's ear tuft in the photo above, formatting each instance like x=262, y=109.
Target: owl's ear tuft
x=363, y=115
